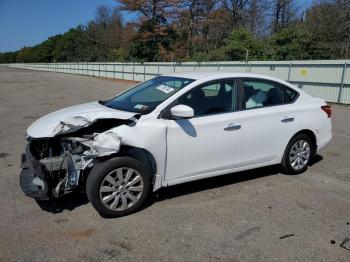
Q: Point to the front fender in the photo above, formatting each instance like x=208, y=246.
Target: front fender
x=149, y=135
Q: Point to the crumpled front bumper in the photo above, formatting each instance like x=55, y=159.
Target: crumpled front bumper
x=32, y=178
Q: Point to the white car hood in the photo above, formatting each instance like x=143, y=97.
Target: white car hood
x=73, y=118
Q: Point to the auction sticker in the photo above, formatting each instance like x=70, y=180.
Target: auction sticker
x=138, y=106
x=165, y=89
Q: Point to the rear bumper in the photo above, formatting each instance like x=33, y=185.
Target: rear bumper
x=324, y=143
x=32, y=179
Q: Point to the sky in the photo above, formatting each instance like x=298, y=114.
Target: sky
x=29, y=22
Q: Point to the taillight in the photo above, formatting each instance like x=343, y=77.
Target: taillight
x=327, y=109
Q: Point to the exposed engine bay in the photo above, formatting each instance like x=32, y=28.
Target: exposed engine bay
x=53, y=167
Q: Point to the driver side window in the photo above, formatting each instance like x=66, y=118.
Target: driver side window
x=211, y=98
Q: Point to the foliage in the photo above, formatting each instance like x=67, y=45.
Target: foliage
x=150, y=41
x=291, y=43
x=241, y=41
x=201, y=30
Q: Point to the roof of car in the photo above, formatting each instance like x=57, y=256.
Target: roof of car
x=219, y=74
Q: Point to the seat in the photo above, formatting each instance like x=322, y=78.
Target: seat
x=224, y=98
x=274, y=97
x=249, y=91
x=197, y=101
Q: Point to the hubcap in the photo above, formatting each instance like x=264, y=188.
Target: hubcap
x=121, y=189
x=299, y=155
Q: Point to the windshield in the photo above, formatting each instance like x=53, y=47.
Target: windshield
x=145, y=97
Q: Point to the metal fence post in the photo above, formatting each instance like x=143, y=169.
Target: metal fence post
x=158, y=70
x=174, y=67
x=144, y=72
x=133, y=71
x=122, y=70
x=218, y=66
x=342, y=82
x=114, y=70
x=289, y=70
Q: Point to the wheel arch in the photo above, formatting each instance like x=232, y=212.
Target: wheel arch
x=141, y=155
x=138, y=153
x=309, y=133
x=286, y=167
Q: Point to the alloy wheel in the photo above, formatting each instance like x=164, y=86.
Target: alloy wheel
x=299, y=155
x=121, y=189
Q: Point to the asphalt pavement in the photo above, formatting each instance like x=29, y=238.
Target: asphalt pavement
x=258, y=215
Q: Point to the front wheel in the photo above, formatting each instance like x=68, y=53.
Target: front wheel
x=118, y=186
x=298, y=154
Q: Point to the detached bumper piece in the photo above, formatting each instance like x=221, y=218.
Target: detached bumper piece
x=31, y=178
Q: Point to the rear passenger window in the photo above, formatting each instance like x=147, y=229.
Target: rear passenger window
x=260, y=93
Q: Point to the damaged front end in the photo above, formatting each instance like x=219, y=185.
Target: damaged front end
x=53, y=167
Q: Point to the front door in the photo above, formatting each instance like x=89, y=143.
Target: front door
x=211, y=141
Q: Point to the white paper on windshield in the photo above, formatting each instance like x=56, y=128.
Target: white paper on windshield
x=138, y=106
x=165, y=89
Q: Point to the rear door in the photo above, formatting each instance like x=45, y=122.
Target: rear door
x=267, y=118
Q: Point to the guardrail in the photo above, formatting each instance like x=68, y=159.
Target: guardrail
x=328, y=79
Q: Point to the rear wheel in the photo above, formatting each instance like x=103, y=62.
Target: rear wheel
x=118, y=186
x=298, y=154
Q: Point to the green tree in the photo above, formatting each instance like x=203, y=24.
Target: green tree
x=155, y=34
x=150, y=41
x=241, y=41
x=8, y=57
x=329, y=23
x=24, y=55
x=72, y=46
x=291, y=43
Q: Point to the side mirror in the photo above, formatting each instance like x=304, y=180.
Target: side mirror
x=182, y=111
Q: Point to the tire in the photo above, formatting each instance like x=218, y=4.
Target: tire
x=298, y=155
x=111, y=186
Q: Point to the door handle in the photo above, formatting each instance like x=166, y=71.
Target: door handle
x=287, y=119
x=232, y=127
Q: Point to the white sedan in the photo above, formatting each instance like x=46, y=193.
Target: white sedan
x=170, y=130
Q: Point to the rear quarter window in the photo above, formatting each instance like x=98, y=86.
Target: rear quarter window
x=290, y=95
